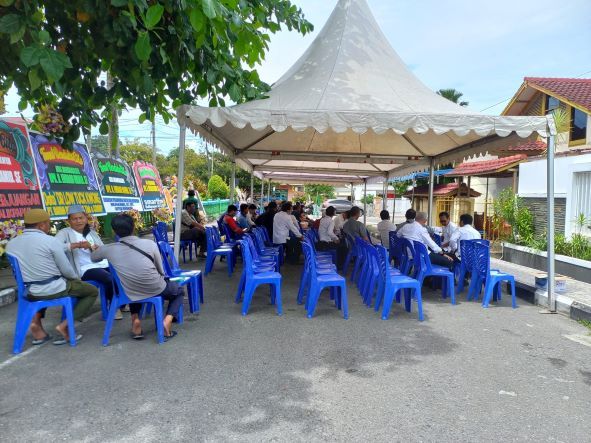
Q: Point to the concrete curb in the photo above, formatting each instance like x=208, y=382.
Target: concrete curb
x=7, y=296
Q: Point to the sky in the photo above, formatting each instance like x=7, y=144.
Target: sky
x=481, y=48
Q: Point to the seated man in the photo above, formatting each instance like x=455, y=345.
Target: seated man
x=415, y=230
x=448, y=228
x=464, y=232
x=251, y=215
x=242, y=218
x=192, y=228
x=282, y=226
x=266, y=218
x=339, y=222
x=229, y=220
x=328, y=239
x=139, y=266
x=353, y=226
x=385, y=227
x=48, y=274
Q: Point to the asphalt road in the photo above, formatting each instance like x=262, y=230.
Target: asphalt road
x=464, y=374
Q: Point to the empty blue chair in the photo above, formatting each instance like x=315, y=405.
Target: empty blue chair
x=213, y=252
x=27, y=309
x=194, y=279
x=321, y=281
x=391, y=284
x=254, y=279
x=491, y=278
x=393, y=240
x=120, y=298
x=322, y=266
x=424, y=268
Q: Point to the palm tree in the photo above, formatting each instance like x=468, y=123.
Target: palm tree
x=452, y=95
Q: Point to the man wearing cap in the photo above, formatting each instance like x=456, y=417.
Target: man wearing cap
x=48, y=274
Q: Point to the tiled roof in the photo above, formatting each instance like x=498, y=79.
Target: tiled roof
x=487, y=167
x=441, y=190
x=532, y=145
x=574, y=90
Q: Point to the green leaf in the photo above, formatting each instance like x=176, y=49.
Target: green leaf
x=34, y=79
x=54, y=63
x=153, y=15
x=209, y=8
x=142, y=46
x=18, y=35
x=10, y=24
x=119, y=3
x=22, y=104
x=6, y=2
x=31, y=55
x=104, y=128
x=142, y=118
x=235, y=93
x=197, y=19
x=44, y=36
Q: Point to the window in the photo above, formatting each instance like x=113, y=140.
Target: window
x=551, y=104
x=581, y=202
x=578, y=125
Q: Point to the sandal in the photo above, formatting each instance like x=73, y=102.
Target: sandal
x=62, y=341
x=139, y=336
x=40, y=341
x=172, y=335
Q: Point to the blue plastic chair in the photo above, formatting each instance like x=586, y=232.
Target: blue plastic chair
x=194, y=279
x=322, y=267
x=424, y=269
x=262, y=264
x=27, y=309
x=391, y=284
x=466, y=265
x=437, y=239
x=213, y=252
x=491, y=278
x=102, y=296
x=120, y=298
x=407, y=254
x=320, y=281
x=392, y=243
x=254, y=279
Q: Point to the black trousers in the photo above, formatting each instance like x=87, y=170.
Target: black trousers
x=173, y=293
x=101, y=275
x=440, y=260
x=341, y=249
x=195, y=235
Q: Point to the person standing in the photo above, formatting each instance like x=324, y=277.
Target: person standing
x=139, y=266
x=282, y=226
x=48, y=274
x=385, y=227
x=79, y=241
x=192, y=228
x=191, y=199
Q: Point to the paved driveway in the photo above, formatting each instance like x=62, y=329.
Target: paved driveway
x=464, y=374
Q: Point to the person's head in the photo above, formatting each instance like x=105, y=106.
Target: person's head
x=384, y=215
x=355, y=212
x=232, y=210
x=330, y=211
x=243, y=208
x=190, y=207
x=411, y=214
x=297, y=206
x=287, y=207
x=37, y=219
x=444, y=218
x=191, y=193
x=122, y=225
x=252, y=208
x=421, y=217
x=466, y=219
x=272, y=206
x=346, y=214
x=77, y=218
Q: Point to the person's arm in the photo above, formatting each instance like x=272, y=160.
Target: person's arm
x=157, y=259
x=293, y=228
x=454, y=240
x=98, y=254
x=233, y=225
x=430, y=243
x=62, y=262
x=330, y=231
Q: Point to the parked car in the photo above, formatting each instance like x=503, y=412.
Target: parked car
x=339, y=204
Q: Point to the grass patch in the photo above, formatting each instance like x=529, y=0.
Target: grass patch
x=586, y=323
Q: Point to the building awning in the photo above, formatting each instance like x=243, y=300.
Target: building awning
x=496, y=167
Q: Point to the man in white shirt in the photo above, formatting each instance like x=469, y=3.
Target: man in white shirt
x=282, y=225
x=328, y=239
x=385, y=227
x=464, y=232
x=415, y=230
x=339, y=222
x=448, y=228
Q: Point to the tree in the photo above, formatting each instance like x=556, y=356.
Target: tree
x=160, y=54
x=452, y=95
x=136, y=150
x=322, y=191
x=217, y=188
x=100, y=143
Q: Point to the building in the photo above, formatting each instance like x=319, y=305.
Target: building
x=538, y=96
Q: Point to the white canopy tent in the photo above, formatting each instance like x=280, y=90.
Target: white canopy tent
x=350, y=106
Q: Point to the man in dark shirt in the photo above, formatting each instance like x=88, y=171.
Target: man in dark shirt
x=266, y=219
x=191, y=199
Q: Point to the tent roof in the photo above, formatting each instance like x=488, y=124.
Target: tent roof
x=350, y=99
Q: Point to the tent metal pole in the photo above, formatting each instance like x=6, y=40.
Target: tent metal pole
x=352, y=194
x=394, y=203
x=251, y=188
x=364, y=201
x=262, y=192
x=550, y=227
x=385, y=195
x=431, y=179
x=269, y=190
x=233, y=183
x=180, y=190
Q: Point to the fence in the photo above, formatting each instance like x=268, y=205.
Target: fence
x=215, y=208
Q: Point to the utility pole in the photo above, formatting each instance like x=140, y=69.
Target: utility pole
x=154, y=142
x=113, y=124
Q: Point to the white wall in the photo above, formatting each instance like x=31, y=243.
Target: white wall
x=495, y=186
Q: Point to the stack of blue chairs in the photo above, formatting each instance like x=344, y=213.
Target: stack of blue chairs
x=214, y=250
x=256, y=275
x=317, y=278
x=323, y=265
x=482, y=274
